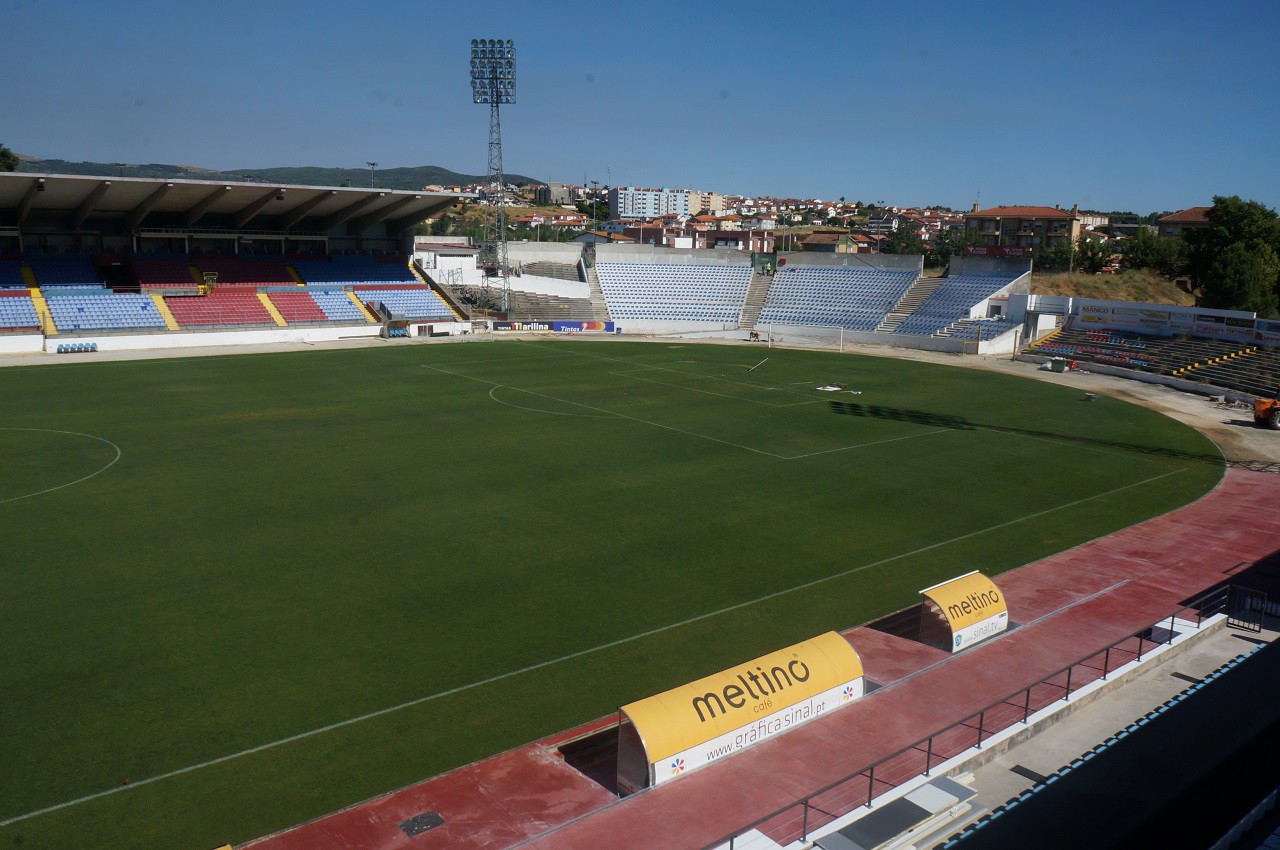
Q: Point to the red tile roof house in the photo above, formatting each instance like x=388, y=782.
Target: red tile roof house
x=1175, y=224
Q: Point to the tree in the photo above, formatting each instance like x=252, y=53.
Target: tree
x=1056, y=259
x=948, y=243
x=1146, y=250
x=8, y=159
x=1243, y=277
x=1233, y=261
x=903, y=240
x=1091, y=254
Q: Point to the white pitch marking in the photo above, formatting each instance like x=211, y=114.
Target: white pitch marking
x=539, y=410
x=580, y=653
x=112, y=463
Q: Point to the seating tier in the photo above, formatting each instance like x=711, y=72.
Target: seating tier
x=17, y=312
x=674, y=292
x=104, y=311
x=951, y=302
x=856, y=299
x=419, y=303
x=221, y=308
x=298, y=307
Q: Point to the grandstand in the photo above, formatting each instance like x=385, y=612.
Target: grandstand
x=17, y=312
x=855, y=298
x=954, y=301
x=221, y=308
x=11, y=274
x=103, y=310
x=163, y=273
x=71, y=270
x=404, y=302
x=1141, y=352
x=1255, y=372
x=689, y=293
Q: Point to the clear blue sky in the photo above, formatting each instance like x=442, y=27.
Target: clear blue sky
x=1139, y=105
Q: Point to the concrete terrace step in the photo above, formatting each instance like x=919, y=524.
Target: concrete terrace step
x=909, y=303
x=757, y=294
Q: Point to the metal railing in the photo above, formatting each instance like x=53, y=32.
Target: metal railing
x=797, y=820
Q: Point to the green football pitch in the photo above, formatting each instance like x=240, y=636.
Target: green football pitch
x=264, y=587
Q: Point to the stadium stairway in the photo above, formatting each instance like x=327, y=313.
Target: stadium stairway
x=757, y=292
x=29, y=277
x=42, y=307
x=272, y=309
x=293, y=273
x=364, y=311
x=169, y=321
x=196, y=274
x=596, y=292
x=908, y=303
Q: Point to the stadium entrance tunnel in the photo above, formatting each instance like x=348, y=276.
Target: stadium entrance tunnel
x=595, y=756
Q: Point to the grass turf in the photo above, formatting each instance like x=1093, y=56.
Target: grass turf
x=291, y=540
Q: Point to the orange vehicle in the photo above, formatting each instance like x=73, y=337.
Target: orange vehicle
x=1266, y=413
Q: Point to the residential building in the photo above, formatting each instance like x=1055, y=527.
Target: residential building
x=1176, y=224
x=1094, y=219
x=596, y=237
x=1024, y=226
x=632, y=203
x=829, y=242
x=705, y=202
x=883, y=223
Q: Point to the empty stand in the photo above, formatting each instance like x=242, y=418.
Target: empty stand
x=298, y=307
x=1256, y=372
x=406, y=302
x=223, y=307
x=674, y=292
x=103, y=311
x=11, y=275
x=242, y=270
x=17, y=312
x=337, y=307
x=161, y=273
x=1162, y=355
x=352, y=269
x=951, y=302
x=74, y=270
x=856, y=299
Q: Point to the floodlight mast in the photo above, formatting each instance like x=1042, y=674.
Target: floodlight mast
x=493, y=81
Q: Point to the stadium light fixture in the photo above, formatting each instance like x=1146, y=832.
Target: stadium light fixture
x=372, y=166
x=493, y=70
x=493, y=83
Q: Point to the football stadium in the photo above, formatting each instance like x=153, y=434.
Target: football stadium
x=251, y=589
x=324, y=529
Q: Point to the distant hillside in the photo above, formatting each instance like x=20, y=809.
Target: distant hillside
x=390, y=178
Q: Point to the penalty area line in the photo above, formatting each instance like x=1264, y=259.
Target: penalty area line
x=569, y=657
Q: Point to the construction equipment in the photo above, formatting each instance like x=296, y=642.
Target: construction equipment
x=1266, y=413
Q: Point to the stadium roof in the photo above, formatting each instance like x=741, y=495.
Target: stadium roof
x=132, y=199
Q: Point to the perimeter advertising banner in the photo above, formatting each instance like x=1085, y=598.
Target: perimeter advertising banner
x=665, y=736
x=974, y=607
x=582, y=327
x=522, y=326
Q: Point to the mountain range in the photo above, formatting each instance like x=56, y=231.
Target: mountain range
x=410, y=178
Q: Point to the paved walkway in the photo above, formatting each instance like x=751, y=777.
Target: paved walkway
x=1069, y=604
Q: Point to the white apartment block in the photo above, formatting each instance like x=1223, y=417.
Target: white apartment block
x=631, y=203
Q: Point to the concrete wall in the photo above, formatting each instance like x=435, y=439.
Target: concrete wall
x=546, y=252
x=196, y=339
x=21, y=343
x=831, y=336
x=961, y=264
x=676, y=256
x=878, y=262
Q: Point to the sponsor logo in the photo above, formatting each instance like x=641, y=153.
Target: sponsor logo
x=677, y=767
x=974, y=602
x=847, y=694
x=959, y=640
x=757, y=687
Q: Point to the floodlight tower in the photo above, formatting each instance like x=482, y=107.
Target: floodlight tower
x=493, y=81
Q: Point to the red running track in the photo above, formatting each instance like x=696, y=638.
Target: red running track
x=1087, y=597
